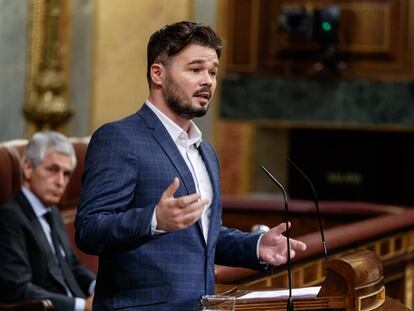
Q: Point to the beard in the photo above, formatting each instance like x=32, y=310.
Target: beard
x=179, y=102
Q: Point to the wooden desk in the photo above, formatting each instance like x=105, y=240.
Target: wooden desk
x=353, y=283
x=386, y=230
x=392, y=305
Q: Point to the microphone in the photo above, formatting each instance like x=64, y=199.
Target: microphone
x=315, y=200
x=289, y=306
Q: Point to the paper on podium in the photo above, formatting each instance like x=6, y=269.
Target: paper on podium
x=305, y=292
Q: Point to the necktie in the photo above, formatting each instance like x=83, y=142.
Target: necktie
x=70, y=280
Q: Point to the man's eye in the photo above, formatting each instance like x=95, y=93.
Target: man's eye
x=195, y=70
x=52, y=169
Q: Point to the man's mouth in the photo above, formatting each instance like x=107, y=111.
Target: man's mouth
x=56, y=194
x=203, y=95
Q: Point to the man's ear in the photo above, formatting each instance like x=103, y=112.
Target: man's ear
x=157, y=73
x=27, y=170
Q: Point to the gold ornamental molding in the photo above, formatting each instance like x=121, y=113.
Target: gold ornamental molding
x=47, y=106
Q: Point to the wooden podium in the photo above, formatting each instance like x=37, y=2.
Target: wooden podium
x=352, y=283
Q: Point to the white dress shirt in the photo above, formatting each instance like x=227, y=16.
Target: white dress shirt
x=187, y=143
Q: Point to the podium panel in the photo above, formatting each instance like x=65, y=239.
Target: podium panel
x=353, y=283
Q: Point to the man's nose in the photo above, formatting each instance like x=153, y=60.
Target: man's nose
x=60, y=178
x=207, y=79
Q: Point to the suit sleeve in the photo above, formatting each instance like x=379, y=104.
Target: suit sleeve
x=15, y=269
x=105, y=219
x=238, y=249
x=82, y=274
x=234, y=247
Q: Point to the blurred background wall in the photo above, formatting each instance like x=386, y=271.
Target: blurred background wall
x=104, y=48
x=13, y=48
x=327, y=83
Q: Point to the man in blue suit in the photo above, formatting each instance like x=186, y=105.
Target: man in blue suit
x=150, y=203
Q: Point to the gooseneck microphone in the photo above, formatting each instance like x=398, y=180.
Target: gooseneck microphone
x=315, y=200
x=289, y=306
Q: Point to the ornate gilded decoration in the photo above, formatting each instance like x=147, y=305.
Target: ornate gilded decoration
x=47, y=105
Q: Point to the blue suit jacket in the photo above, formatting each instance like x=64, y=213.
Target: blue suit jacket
x=129, y=165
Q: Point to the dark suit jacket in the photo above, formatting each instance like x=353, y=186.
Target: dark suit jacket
x=129, y=164
x=27, y=261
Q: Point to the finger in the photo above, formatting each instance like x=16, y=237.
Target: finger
x=200, y=204
x=192, y=216
x=195, y=207
x=186, y=200
x=279, y=229
x=299, y=245
x=172, y=188
x=193, y=213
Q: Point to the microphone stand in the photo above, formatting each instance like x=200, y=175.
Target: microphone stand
x=315, y=200
x=289, y=306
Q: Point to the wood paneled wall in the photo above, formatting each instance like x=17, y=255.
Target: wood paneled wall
x=375, y=39
x=375, y=42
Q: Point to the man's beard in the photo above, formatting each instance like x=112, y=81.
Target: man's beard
x=178, y=103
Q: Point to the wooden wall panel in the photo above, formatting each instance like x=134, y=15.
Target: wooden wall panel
x=375, y=39
x=242, y=43
x=366, y=27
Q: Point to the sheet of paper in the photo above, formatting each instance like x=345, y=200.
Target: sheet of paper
x=296, y=292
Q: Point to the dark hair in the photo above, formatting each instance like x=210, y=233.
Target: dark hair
x=171, y=39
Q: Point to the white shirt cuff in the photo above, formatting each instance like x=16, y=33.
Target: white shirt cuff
x=92, y=287
x=154, y=223
x=258, y=249
x=80, y=304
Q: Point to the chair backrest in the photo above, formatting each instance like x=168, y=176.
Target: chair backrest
x=11, y=153
x=71, y=197
x=10, y=171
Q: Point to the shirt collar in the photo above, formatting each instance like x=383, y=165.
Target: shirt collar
x=38, y=207
x=193, y=136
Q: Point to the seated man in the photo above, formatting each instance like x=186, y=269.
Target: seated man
x=36, y=259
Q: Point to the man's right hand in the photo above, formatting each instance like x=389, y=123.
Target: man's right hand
x=178, y=213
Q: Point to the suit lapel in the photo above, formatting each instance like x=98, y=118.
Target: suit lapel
x=37, y=229
x=215, y=216
x=168, y=145
x=38, y=234
x=175, y=156
x=164, y=139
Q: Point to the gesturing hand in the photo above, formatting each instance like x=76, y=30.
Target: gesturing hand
x=178, y=213
x=273, y=247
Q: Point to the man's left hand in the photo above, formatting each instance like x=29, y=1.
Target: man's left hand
x=273, y=246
